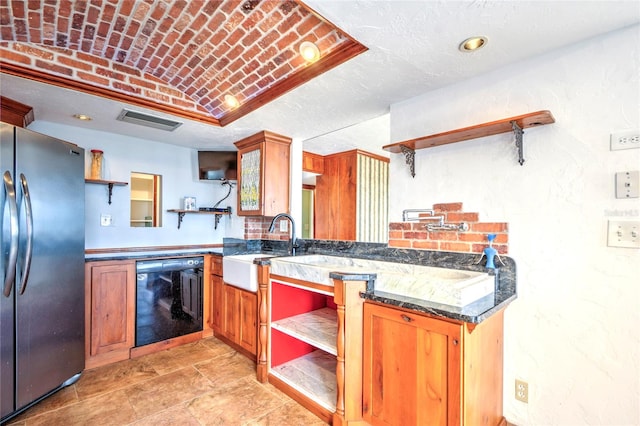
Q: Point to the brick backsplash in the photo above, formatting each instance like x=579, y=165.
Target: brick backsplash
x=414, y=234
x=257, y=228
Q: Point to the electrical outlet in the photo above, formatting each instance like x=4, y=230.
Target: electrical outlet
x=522, y=391
x=624, y=233
x=626, y=139
x=105, y=220
x=284, y=226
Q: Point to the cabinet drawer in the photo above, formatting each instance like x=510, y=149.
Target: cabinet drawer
x=216, y=265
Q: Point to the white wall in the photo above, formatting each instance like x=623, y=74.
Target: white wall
x=178, y=167
x=572, y=334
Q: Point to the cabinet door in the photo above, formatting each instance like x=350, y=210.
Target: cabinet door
x=231, y=313
x=263, y=174
x=251, y=181
x=217, y=304
x=412, y=368
x=111, y=302
x=248, y=321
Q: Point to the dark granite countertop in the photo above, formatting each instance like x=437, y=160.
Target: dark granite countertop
x=475, y=313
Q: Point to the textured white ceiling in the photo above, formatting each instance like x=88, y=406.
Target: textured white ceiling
x=412, y=50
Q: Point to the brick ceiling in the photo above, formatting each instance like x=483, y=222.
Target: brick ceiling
x=176, y=56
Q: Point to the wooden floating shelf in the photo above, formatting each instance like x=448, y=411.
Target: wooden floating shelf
x=525, y=121
x=109, y=183
x=181, y=214
x=515, y=124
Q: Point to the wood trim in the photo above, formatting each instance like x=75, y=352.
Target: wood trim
x=338, y=56
x=128, y=98
x=165, y=344
x=16, y=113
x=264, y=322
x=525, y=121
x=260, y=137
x=301, y=283
x=151, y=248
x=355, y=153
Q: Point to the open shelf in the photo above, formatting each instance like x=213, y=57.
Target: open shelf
x=512, y=124
x=109, y=183
x=218, y=214
x=318, y=328
x=313, y=374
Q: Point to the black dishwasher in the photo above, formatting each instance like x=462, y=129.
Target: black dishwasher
x=168, y=298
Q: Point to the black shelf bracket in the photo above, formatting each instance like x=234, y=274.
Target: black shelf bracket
x=409, y=158
x=518, y=132
x=110, y=186
x=227, y=211
x=180, y=217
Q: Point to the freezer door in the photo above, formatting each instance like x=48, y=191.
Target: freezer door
x=50, y=310
x=6, y=302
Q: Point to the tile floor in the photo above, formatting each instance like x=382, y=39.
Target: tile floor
x=202, y=383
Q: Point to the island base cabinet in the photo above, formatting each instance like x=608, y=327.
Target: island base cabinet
x=110, y=297
x=422, y=370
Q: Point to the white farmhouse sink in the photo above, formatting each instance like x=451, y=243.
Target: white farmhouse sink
x=454, y=287
x=239, y=270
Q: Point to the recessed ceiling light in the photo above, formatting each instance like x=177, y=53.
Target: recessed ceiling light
x=231, y=101
x=309, y=51
x=82, y=117
x=473, y=43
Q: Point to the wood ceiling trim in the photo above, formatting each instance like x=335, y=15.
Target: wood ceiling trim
x=42, y=77
x=348, y=50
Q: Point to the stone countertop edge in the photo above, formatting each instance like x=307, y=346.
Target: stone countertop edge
x=474, y=313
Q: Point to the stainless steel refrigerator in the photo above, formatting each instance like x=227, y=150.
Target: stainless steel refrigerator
x=42, y=293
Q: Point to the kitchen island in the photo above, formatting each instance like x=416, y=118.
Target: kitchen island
x=417, y=351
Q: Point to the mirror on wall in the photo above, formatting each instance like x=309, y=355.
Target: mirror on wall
x=146, y=200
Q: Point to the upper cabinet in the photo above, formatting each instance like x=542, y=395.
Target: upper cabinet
x=352, y=197
x=263, y=174
x=15, y=113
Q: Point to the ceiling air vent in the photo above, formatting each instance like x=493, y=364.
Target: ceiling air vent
x=148, y=120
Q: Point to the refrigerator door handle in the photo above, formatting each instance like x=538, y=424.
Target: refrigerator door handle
x=26, y=267
x=10, y=193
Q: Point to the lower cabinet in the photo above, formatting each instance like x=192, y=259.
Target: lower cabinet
x=233, y=312
x=110, y=297
x=241, y=312
x=421, y=370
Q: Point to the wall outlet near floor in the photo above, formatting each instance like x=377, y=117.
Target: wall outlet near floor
x=625, y=139
x=624, y=233
x=105, y=220
x=522, y=391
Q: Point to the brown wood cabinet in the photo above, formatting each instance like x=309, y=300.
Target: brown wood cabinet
x=263, y=174
x=233, y=312
x=216, y=290
x=313, y=163
x=15, y=113
x=241, y=318
x=352, y=198
x=421, y=370
x=110, y=297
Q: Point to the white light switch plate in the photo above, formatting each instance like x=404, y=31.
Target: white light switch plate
x=624, y=233
x=628, y=184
